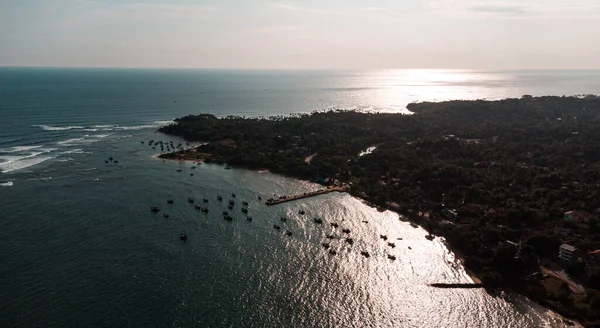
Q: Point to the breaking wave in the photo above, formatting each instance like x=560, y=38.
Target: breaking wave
x=59, y=128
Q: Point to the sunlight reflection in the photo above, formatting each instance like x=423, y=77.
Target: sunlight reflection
x=398, y=88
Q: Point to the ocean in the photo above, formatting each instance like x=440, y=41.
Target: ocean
x=79, y=246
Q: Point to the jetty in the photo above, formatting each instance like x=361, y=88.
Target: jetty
x=459, y=285
x=289, y=198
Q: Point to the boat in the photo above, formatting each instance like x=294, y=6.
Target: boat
x=179, y=170
x=249, y=218
x=155, y=209
x=244, y=210
x=228, y=218
x=232, y=194
x=166, y=215
x=116, y=162
x=205, y=200
x=183, y=237
x=190, y=200
x=205, y=210
x=110, y=159
x=169, y=201
x=259, y=198
x=219, y=198
x=197, y=207
x=276, y=227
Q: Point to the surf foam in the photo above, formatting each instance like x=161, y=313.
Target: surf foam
x=59, y=128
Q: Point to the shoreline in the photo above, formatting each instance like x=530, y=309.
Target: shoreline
x=410, y=217
x=450, y=175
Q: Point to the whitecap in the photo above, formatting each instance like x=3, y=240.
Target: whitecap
x=59, y=128
x=20, y=164
x=6, y=184
x=74, y=151
x=101, y=135
x=17, y=149
x=134, y=127
x=69, y=141
x=164, y=122
x=90, y=130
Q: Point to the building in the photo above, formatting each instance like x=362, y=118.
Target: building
x=576, y=216
x=567, y=253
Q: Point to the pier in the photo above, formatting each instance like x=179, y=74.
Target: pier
x=284, y=199
x=459, y=285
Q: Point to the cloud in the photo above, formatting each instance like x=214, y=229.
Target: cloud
x=289, y=7
x=513, y=8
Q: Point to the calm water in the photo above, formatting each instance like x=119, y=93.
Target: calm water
x=79, y=247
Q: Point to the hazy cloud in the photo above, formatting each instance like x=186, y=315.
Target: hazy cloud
x=290, y=7
x=512, y=8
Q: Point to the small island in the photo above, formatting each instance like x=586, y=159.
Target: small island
x=512, y=185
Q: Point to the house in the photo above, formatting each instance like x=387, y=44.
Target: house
x=576, y=216
x=567, y=253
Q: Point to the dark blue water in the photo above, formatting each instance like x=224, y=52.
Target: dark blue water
x=80, y=248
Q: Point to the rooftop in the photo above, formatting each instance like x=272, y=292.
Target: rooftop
x=568, y=247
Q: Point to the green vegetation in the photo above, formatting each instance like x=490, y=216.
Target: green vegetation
x=510, y=168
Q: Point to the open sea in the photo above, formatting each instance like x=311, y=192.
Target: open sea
x=79, y=246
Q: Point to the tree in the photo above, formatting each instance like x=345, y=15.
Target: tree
x=544, y=245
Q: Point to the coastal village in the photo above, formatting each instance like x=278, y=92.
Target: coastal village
x=510, y=185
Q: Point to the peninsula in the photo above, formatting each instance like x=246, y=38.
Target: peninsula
x=513, y=185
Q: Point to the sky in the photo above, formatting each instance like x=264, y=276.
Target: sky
x=310, y=34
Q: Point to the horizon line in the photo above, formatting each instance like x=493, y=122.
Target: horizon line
x=296, y=68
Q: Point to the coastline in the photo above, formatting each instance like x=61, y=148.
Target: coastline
x=454, y=186
x=411, y=217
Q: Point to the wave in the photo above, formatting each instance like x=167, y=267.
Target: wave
x=17, y=149
x=20, y=164
x=69, y=141
x=90, y=130
x=6, y=184
x=59, y=128
x=74, y=151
